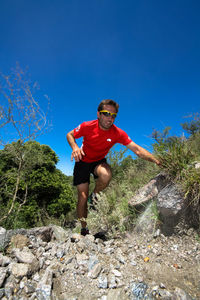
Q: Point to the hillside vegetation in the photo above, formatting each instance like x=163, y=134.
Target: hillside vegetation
x=178, y=156
x=33, y=192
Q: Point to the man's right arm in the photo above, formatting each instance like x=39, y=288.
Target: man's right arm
x=77, y=152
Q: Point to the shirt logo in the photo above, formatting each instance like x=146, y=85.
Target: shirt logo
x=78, y=128
x=109, y=140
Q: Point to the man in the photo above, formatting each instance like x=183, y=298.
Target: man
x=98, y=137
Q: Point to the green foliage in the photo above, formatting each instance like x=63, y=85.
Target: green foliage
x=178, y=156
x=193, y=126
x=42, y=190
x=113, y=212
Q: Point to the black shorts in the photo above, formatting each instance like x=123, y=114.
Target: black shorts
x=82, y=171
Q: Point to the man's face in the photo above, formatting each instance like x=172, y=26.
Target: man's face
x=105, y=122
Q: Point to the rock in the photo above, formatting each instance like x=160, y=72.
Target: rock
x=112, y=281
x=19, y=270
x=181, y=295
x=4, y=260
x=18, y=241
x=112, y=269
x=2, y=293
x=24, y=256
x=138, y=290
x=95, y=271
x=170, y=205
x=103, y=282
x=9, y=289
x=43, y=290
x=116, y=273
x=93, y=260
x=197, y=165
x=149, y=191
x=59, y=233
x=2, y=237
x=44, y=233
x=82, y=259
x=76, y=237
x=3, y=273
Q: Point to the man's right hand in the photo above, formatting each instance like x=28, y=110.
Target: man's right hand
x=77, y=154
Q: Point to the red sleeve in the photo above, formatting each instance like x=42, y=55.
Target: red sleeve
x=79, y=131
x=124, y=139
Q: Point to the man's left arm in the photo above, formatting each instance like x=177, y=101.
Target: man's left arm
x=142, y=153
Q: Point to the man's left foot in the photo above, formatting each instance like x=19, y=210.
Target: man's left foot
x=101, y=235
x=84, y=231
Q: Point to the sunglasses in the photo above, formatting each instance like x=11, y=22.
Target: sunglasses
x=108, y=114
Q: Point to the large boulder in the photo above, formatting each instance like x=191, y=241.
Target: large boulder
x=149, y=191
x=170, y=204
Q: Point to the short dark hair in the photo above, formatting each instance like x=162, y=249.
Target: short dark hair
x=108, y=102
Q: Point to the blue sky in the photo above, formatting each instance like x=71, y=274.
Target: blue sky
x=143, y=54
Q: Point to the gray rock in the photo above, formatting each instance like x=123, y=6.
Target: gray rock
x=197, y=165
x=9, y=288
x=4, y=260
x=29, y=288
x=44, y=233
x=44, y=287
x=95, y=271
x=24, y=256
x=149, y=191
x=103, y=282
x=2, y=293
x=181, y=295
x=138, y=290
x=2, y=237
x=116, y=273
x=112, y=281
x=44, y=292
x=19, y=270
x=116, y=268
x=93, y=260
x=170, y=205
x=3, y=274
x=59, y=233
x=19, y=241
x=82, y=259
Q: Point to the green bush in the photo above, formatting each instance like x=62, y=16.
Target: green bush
x=178, y=156
x=32, y=189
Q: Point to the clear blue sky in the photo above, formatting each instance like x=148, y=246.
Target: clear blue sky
x=143, y=54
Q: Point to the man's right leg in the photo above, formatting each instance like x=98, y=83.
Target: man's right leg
x=83, y=190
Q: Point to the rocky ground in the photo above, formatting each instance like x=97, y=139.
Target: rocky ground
x=52, y=263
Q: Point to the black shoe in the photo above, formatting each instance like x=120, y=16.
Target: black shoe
x=101, y=235
x=92, y=201
x=84, y=231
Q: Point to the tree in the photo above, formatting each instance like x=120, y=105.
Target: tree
x=21, y=116
x=21, y=119
x=193, y=126
x=42, y=191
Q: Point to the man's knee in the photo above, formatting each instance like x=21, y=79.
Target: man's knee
x=83, y=190
x=104, y=172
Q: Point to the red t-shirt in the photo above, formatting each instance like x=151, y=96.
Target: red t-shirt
x=96, y=141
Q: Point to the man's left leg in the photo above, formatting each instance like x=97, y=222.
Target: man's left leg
x=103, y=171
